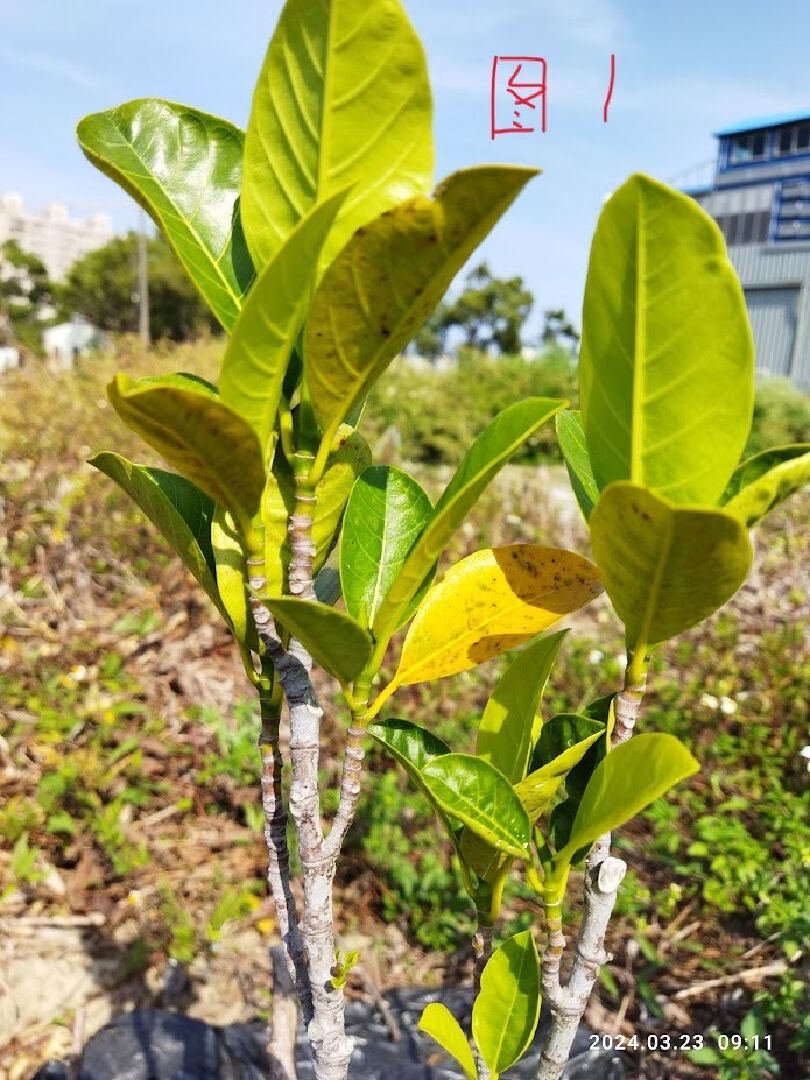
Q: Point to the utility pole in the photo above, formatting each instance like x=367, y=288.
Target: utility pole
x=143, y=283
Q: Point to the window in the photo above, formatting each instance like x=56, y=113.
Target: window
x=745, y=148
x=751, y=228
x=793, y=140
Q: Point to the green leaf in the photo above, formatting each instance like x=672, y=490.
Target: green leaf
x=231, y=573
x=487, y=455
x=165, y=156
x=765, y=480
x=563, y=741
x=182, y=513
x=386, y=512
x=537, y=792
x=506, y=728
x=334, y=640
x=489, y=602
x=665, y=567
x=571, y=438
x=627, y=780
x=182, y=418
x=342, y=99
x=577, y=779
x=263, y=339
x=506, y=1011
x=667, y=359
x=475, y=793
x=327, y=585
x=439, y=1023
x=413, y=747
x=388, y=279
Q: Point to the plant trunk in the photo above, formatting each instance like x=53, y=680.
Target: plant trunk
x=603, y=877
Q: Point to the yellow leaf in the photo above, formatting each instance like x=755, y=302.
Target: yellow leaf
x=490, y=602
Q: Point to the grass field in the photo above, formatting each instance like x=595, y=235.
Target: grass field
x=129, y=815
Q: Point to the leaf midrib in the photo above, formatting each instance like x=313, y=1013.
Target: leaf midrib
x=182, y=217
x=639, y=347
x=644, y=628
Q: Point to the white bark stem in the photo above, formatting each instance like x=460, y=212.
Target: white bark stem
x=603, y=877
x=278, y=870
x=568, y=1002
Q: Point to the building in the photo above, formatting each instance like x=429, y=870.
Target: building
x=67, y=341
x=56, y=238
x=760, y=198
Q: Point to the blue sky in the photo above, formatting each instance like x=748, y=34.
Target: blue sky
x=683, y=70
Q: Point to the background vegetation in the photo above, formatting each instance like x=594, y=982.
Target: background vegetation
x=128, y=770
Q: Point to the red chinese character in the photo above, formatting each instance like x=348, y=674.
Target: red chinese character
x=524, y=94
x=610, y=87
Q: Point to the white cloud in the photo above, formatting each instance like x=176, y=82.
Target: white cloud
x=56, y=68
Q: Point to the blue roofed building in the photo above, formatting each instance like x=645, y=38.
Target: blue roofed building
x=760, y=198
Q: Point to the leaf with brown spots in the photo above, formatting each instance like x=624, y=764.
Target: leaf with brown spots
x=388, y=279
x=665, y=567
x=489, y=602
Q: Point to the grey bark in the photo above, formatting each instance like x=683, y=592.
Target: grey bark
x=604, y=873
x=322, y=1003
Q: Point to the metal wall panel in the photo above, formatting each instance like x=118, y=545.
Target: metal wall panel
x=774, y=315
x=769, y=265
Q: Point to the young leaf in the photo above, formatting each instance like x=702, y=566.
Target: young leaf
x=182, y=418
x=475, y=793
x=537, y=792
x=563, y=741
x=627, y=780
x=164, y=155
x=579, y=775
x=388, y=279
x=665, y=567
x=386, y=512
x=232, y=577
x=488, y=863
x=571, y=438
x=182, y=513
x=506, y=728
x=333, y=640
x=439, y=1023
x=492, y=601
x=667, y=359
x=765, y=480
x=262, y=341
x=350, y=457
x=487, y=455
x=342, y=99
x=507, y=1009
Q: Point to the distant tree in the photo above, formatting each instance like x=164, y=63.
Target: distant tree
x=25, y=291
x=103, y=284
x=490, y=311
x=430, y=340
x=558, y=329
